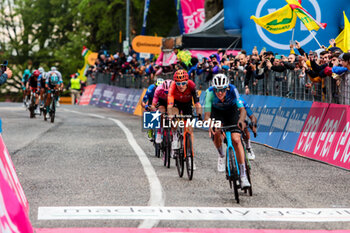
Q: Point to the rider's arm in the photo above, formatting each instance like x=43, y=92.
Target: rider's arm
x=196, y=101
x=156, y=97
x=171, y=98
x=208, y=104
x=148, y=94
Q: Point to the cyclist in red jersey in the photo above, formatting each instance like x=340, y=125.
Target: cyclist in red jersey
x=181, y=93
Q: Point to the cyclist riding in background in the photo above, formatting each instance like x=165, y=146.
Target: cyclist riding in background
x=54, y=70
x=42, y=78
x=181, y=93
x=26, y=92
x=246, y=135
x=53, y=82
x=147, y=101
x=223, y=103
x=160, y=101
x=33, y=84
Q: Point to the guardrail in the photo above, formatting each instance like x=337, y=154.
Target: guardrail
x=291, y=84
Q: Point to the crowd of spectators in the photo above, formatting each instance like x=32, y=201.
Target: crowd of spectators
x=320, y=75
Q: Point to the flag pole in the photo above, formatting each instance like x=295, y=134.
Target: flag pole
x=293, y=34
x=315, y=38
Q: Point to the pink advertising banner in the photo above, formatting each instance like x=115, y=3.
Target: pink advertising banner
x=13, y=203
x=88, y=92
x=325, y=136
x=334, y=137
x=193, y=14
x=312, y=125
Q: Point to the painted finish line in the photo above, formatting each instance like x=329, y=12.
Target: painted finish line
x=195, y=213
x=177, y=230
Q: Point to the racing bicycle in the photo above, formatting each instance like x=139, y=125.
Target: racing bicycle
x=232, y=168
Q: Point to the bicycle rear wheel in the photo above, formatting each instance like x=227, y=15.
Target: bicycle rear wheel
x=189, y=157
x=233, y=174
x=168, y=148
x=53, y=110
x=180, y=158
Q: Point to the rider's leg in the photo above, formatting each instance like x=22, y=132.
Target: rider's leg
x=47, y=103
x=159, y=131
x=236, y=141
x=175, y=144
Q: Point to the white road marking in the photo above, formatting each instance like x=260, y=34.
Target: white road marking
x=157, y=196
x=195, y=213
x=98, y=116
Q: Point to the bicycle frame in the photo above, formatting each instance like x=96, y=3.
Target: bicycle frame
x=229, y=145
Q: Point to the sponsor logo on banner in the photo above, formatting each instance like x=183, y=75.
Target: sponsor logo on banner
x=193, y=14
x=95, y=99
x=312, y=125
x=88, y=93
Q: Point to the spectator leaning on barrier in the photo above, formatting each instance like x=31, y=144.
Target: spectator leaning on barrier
x=75, y=86
x=344, y=78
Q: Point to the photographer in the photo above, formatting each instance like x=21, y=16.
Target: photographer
x=5, y=73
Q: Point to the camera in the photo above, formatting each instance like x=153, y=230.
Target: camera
x=4, y=66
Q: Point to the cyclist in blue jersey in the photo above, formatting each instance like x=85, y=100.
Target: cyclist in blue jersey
x=147, y=101
x=223, y=103
x=53, y=82
x=246, y=135
x=25, y=77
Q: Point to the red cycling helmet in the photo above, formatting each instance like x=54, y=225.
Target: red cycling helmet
x=180, y=75
x=36, y=73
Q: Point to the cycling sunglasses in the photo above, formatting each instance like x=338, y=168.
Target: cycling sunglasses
x=220, y=89
x=181, y=83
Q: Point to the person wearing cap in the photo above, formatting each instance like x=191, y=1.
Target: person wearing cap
x=75, y=86
x=344, y=80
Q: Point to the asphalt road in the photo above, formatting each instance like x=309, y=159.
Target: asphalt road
x=85, y=160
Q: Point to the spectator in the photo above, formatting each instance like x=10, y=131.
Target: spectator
x=75, y=87
x=5, y=75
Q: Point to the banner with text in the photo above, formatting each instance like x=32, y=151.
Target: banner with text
x=14, y=207
x=87, y=95
x=193, y=14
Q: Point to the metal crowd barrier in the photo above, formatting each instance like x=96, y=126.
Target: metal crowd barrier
x=291, y=84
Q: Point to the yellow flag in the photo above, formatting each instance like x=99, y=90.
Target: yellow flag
x=343, y=39
x=305, y=17
x=277, y=22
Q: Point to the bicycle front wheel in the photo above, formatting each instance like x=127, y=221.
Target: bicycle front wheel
x=189, y=157
x=53, y=109
x=180, y=158
x=233, y=178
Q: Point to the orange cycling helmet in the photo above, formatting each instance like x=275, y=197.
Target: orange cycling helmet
x=180, y=75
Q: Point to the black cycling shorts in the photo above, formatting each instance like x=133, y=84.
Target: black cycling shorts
x=162, y=102
x=184, y=108
x=227, y=117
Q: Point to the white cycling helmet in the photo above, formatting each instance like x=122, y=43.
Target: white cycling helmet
x=53, y=68
x=220, y=81
x=41, y=70
x=159, y=81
